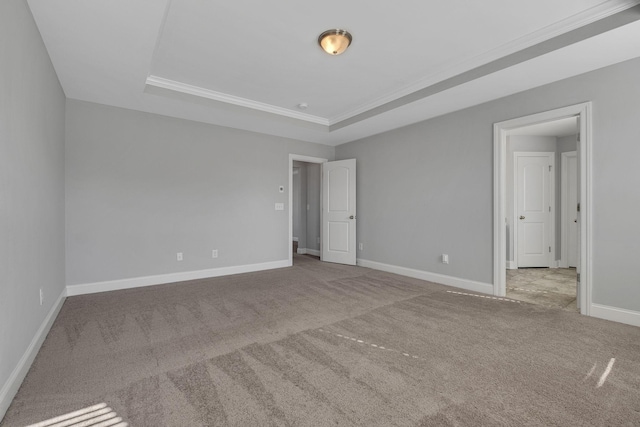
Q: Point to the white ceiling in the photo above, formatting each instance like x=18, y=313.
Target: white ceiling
x=247, y=64
x=558, y=128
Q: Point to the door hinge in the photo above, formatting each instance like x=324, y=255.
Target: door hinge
x=578, y=207
x=549, y=208
x=549, y=249
x=578, y=277
x=549, y=168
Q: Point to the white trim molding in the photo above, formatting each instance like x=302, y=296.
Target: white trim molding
x=161, y=279
x=10, y=388
x=307, y=251
x=615, y=314
x=470, y=285
x=176, y=86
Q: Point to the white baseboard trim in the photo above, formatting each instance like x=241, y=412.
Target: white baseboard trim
x=137, y=282
x=511, y=265
x=10, y=388
x=295, y=239
x=615, y=314
x=303, y=251
x=470, y=285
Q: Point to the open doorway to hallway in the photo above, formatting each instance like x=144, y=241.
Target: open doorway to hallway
x=305, y=209
x=305, y=204
x=541, y=213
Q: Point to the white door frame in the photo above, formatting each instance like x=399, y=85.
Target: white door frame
x=565, y=208
x=551, y=257
x=307, y=159
x=499, y=200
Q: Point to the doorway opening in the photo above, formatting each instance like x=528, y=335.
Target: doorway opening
x=542, y=205
x=305, y=181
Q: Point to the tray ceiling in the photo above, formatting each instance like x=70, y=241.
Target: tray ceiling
x=249, y=64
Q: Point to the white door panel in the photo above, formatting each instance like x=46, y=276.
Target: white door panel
x=533, y=204
x=338, y=237
x=533, y=242
x=339, y=212
x=338, y=190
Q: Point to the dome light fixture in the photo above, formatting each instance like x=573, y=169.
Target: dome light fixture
x=334, y=42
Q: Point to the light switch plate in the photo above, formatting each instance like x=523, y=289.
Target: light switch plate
x=279, y=206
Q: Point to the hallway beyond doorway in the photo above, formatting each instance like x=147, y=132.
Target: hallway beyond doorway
x=551, y=287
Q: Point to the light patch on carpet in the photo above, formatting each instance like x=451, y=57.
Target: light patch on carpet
x=379, y=347
x=590, y=372
x=484, y=296
x=99, y=415
x=606, y=373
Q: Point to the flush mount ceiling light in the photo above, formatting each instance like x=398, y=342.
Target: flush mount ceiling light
x=334, y=42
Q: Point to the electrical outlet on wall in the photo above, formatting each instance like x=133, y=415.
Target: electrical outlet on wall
x=179, y=256
x=360, y=246
x=214, y=253
x=445, y=258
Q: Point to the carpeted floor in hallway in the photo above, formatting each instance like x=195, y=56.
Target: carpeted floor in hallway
x=322, y=344
x=551, y=287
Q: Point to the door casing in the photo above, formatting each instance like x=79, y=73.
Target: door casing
x=308, y=159
x=500, y=129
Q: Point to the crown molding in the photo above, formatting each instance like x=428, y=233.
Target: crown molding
x=596, y=13
x=578, y=20
x=188, y=89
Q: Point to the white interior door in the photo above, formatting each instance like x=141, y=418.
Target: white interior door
x=339, y=212
x=533, y=208
x=572, y=201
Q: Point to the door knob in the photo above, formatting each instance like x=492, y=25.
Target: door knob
x=521, y=216
x=575, y=220
x=351, y=217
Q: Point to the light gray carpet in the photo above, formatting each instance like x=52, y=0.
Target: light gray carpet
x=323, y=344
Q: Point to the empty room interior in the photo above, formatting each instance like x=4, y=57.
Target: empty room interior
x=276, y=213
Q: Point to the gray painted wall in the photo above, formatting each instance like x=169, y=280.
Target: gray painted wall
x=31, y=185
x=427, y=188
x=142, y=187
